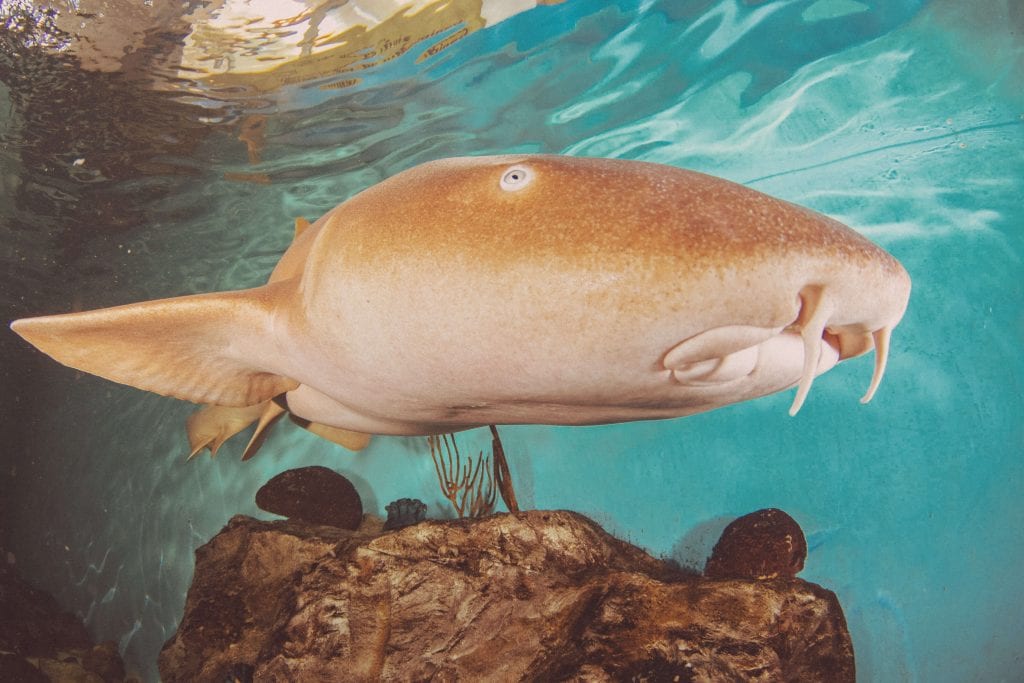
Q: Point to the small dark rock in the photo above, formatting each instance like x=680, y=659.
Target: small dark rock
x=315, y=495
x=766, y=544
x=404, y=512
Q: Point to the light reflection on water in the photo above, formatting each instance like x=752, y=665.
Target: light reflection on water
x=872, y=112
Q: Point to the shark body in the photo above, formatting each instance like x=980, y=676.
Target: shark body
x=516, y=289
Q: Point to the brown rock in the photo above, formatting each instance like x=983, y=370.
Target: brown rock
x=32, y=623
x=313, y=494
x=527, y=596
x=52, y=644
x=767, y=544
x=15, y=668
x=104, y=660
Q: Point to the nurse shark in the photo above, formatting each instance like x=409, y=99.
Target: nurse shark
x=514, y=289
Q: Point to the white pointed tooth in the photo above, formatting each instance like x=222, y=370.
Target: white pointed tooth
x=881, y=339
x=818, y=310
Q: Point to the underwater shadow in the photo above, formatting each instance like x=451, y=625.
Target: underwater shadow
x=692, y=551
x=367, y=497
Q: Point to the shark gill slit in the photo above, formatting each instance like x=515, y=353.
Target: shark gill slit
x=814, y=313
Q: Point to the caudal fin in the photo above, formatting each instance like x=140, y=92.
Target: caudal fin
x=207, y=348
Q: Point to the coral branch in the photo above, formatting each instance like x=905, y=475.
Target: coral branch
x=467, y=485
x=502, y=476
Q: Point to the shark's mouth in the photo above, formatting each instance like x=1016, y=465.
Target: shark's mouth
x=805, y=348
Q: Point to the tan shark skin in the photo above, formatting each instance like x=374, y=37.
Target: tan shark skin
x=517, y=289
x=211, y=426
x=214, y=424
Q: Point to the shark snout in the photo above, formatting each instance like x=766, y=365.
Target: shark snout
x=830, y=325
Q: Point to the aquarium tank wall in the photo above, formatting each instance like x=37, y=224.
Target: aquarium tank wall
x=161, y=149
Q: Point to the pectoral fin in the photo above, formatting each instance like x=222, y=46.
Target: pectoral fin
x=354, y=441
x=208, y=348
x=212, y=425
x=270, y=414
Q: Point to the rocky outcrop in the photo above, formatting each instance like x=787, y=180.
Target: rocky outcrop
x=539, y=596
x=41, y=642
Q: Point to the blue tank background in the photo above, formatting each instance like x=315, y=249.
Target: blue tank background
x=904, y=120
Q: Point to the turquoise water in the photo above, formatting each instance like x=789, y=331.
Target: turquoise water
x=904, y=120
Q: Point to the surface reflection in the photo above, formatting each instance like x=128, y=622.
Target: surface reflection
x=232, y=48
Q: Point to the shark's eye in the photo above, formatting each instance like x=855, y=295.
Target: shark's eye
x=516, y=178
